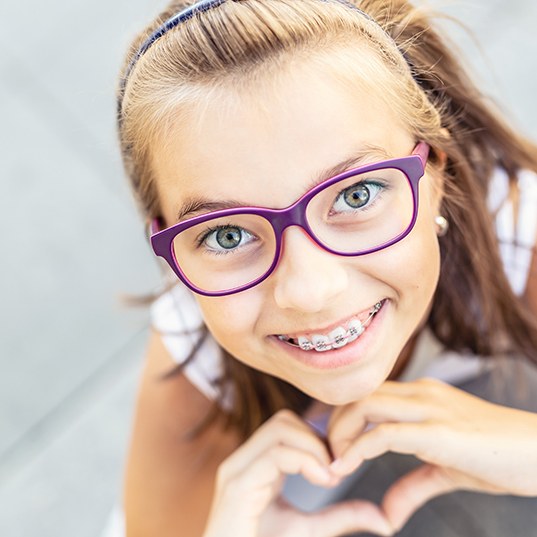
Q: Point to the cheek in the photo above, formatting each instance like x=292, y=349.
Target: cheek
x=232, y=320
x=431, y=195
x=412, y=267
x=425, y=262
x=421, y=265
x=421, y=251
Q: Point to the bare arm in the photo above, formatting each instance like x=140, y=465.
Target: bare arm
x=169, y=481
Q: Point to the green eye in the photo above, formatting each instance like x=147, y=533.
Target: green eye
x=224, y=239
x=356, y=196
x=228, y=237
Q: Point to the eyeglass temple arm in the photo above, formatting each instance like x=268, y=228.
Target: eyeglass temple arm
x=422, y=151
x=154, y=227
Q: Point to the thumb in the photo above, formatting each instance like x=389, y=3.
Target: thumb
x=413, y=490
x=348, y=517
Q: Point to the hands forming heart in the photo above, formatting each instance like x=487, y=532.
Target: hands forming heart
x=466, y=443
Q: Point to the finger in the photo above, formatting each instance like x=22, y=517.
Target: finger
x=292, y=430
x=284, y=428
x=419, y=439
x=283, y=460
x=346, y=426
x=413, y=490
x=348, y=517
x=410, y=388
x=392, y=401
x=260, y=483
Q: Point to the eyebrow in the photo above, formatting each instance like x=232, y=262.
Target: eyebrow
x=198, y=205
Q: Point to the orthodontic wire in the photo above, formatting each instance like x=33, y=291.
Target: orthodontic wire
x=374, y=311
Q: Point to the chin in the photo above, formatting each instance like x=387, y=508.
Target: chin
x=343, y=393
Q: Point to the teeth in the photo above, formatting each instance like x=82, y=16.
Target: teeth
x=338, y=337
x=305, y=344
x=356, y=329
x=321, y=343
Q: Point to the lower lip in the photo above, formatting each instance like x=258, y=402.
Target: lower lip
x=351, y=353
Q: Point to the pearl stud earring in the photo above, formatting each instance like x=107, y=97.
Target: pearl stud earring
x=442, y=225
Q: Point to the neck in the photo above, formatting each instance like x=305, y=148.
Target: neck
x=404, y=358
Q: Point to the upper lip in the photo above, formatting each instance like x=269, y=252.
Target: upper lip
x=361, y=315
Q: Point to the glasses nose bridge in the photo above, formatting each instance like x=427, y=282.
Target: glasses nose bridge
x=295, y=215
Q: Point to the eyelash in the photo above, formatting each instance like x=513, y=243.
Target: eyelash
x=382, y=186
x=200, y=239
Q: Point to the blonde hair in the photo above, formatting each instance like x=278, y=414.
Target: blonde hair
x=243, y=42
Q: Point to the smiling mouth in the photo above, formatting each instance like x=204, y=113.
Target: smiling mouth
x=335, y=339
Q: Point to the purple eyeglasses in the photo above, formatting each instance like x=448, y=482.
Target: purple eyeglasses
x=355, y=213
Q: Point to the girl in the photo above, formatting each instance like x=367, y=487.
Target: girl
x=319, y=176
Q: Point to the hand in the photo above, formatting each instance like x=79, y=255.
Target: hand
x=467, y=443
x=247, y=499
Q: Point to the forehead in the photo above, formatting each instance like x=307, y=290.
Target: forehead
x=264, y=143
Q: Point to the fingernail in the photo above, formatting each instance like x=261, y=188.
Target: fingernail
x=323, y=474
x=342, y=467
x=387, y=530
x=397, y=525
x=337, y=467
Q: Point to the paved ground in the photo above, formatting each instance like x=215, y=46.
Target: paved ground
x=72, y=243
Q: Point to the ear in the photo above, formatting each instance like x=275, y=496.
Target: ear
x=442, y=159
x=442, y=155
x=147, y=228
x=437, y=173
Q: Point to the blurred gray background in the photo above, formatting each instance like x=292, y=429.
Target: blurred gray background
x=72, y=243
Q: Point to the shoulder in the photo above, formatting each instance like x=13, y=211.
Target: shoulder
x=176, y=317
x=172, y=402
x=169, y=475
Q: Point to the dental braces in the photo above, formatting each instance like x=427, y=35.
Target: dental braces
x=353, y=331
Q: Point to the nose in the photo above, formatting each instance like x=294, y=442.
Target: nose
x=307, y=277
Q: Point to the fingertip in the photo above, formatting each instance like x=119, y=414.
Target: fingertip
x=381, y=524
x=343, y=467
x=388, y=531
x=337, y=467
x=396, y=527
x=385, y=529
x=320, y=475
x=397, y=519
x=331, y=483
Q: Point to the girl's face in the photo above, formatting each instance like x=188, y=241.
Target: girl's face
x=263, y=148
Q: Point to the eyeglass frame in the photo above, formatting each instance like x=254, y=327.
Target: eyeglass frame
x=412, y=166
